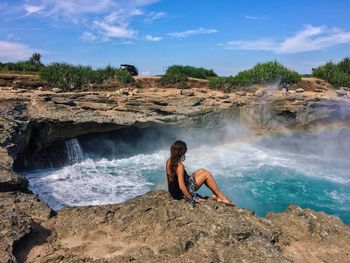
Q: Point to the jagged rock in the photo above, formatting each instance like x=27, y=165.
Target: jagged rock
x=224, y=96
x=345, y=88
x=260, y=93
x=160, y=102
x=307, y=232
x=341, y=93
x=210, y=232
x=241, y=93
x=20, y=213
x=57, y=90
x=240, y=103
x=9, y=181
x=187, y=92
x=19, y=90
x=14, y=225
x=299, y=90
x=6, y=88
x=123, y=91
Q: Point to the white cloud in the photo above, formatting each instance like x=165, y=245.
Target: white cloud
x=114, y=31
x=155, y=16
x=153, y=38
x=252, y=17
x=88, y=37
x=104, y=19
x=311, y=38
x=14, y=51
x=31, y=9
x=199, y=31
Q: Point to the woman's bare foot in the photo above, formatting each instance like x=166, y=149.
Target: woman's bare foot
x=223, y=199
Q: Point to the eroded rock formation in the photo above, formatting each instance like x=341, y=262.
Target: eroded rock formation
x=153, y=227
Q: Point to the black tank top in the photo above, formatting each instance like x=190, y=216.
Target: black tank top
x=174, y=188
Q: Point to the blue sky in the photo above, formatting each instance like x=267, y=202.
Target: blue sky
x=225, y=35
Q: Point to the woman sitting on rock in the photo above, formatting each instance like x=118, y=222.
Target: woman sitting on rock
x=181, y=185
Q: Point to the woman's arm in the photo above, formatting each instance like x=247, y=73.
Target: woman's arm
x=180, y=176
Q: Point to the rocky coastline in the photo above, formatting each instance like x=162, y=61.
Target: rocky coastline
x=35, y=119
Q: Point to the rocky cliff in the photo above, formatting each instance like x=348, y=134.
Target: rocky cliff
x=154, y=228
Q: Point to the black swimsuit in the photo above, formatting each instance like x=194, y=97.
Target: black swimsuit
x=175, y=191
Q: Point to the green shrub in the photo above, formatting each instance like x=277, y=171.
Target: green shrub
x=336, y=74
x=189, y=71
x=123, y=76
x=33, y=64
x=177, y=75
x=216, y=82
x=21, y=66
x=225, y=83
x=264, y=73
x=173, y=79
x=67, y=76
x=344, y=65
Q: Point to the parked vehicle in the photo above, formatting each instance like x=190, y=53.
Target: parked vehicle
x=130, y=68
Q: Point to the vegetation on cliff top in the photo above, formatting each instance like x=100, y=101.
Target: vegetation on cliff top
x=33, y=64
x=177, y=75
x=261, y=73
x=336, y=74
x=67, y=76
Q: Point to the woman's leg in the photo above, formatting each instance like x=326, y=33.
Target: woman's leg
x=204, y=176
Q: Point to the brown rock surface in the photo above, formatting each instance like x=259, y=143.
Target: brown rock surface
x=156, y=228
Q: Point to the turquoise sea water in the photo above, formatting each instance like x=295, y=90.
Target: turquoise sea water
x=254, y=175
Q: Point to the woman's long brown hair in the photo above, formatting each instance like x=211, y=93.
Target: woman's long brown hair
x=177, y=154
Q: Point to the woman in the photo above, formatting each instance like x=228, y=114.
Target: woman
x=181, y=185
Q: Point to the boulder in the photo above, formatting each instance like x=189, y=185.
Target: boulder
x=57, y=90
x=202, y=90
x=153, y=90
x=160, y=102
x=341, y=93
x=345, y=88
x=223, y=96
x=241, y=93
x=9, y=181
x=299, y=90
x=318, y=90
x=187, y=92
x=260, y=93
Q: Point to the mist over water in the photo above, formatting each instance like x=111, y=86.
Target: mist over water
x=262, y=174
